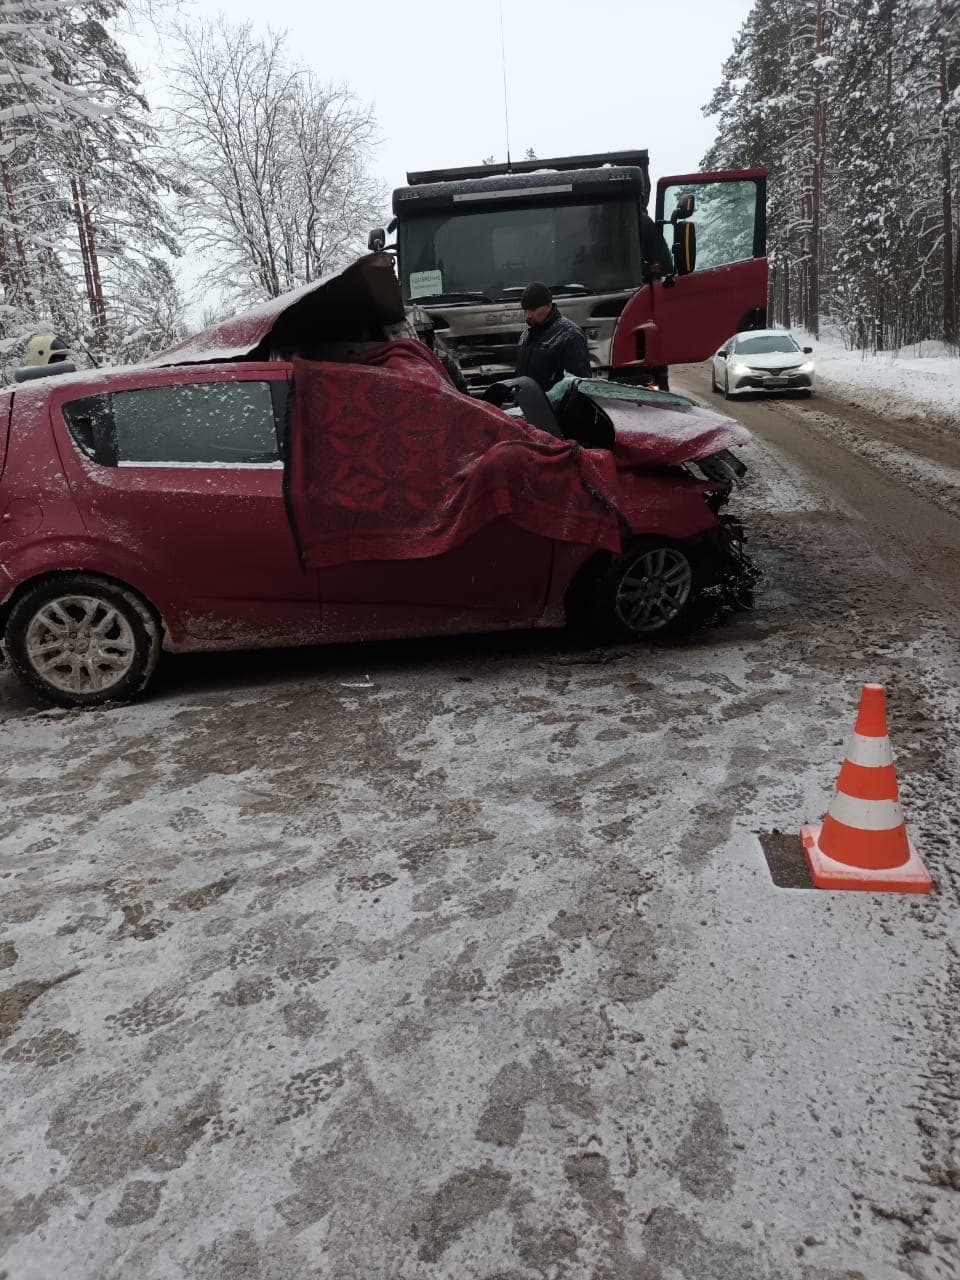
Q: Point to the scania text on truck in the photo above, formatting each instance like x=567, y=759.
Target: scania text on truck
x=647, y=292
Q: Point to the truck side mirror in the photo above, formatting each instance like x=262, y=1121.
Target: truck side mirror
x=376, y=240
x=684, y=248
x=684, y=209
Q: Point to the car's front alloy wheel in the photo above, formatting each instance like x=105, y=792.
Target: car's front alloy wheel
x=79, y=640
x=652, y=589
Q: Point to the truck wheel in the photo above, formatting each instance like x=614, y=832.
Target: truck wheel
x=652, y=590
x=80, y=641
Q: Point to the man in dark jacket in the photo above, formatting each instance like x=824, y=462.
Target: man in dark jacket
x=551, y=345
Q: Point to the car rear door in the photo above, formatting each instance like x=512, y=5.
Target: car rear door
x=725, y=293
x=498, y=579
x=183, y=466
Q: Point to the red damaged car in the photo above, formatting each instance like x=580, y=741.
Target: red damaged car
x=305, y=473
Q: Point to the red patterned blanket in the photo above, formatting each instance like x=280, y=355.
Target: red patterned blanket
x=387, y=461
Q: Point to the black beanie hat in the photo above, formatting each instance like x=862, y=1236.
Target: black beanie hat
x=536, y=294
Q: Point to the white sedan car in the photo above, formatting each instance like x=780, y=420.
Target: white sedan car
x=762, y=360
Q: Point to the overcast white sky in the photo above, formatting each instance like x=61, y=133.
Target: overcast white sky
x=582, y=75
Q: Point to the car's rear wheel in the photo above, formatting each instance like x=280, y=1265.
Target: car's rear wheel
x=652, y=590
x=80, y=641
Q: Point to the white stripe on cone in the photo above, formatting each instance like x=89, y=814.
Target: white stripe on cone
x=872, y=753
x=867, y=815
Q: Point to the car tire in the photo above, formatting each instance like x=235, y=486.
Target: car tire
x=713, y=382
x=726, y=387
x=652, y=590
x=79, y=640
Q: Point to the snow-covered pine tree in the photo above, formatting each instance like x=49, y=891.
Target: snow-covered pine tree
x=34, y=107
x=854, y=108
x=945, y=38
x=111, y=165
x=80, y=198
x=765, y=119
x=873, y=258
x=892, y=166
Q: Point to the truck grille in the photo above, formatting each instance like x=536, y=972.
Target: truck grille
x=485, y=348
x=485, y=357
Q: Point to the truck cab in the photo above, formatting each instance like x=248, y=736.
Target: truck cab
x=469, y=240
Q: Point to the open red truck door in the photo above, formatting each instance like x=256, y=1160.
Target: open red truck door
x=724, y=293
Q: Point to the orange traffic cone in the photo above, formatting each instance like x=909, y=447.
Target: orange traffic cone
x=863, y=842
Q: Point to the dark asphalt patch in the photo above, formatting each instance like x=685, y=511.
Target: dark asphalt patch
x=784, y=854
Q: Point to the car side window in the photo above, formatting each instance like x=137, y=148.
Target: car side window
x=190, y=424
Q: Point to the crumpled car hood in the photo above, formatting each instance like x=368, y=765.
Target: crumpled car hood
x=646, y=427
x=649, y=436
x=357, y=304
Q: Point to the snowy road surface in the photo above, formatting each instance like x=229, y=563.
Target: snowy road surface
x=466, y=960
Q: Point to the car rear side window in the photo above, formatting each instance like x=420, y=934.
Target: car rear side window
x=191, y=424
x=91, y=424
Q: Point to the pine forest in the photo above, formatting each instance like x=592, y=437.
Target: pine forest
x=853, y=107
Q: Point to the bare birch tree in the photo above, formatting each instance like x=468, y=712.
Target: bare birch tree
x=275, y=161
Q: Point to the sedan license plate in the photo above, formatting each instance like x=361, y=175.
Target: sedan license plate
x=775, y=382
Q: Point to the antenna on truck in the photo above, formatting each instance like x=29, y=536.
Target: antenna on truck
x=503, y=62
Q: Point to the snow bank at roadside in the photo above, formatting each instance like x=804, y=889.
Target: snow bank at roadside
x=920, y=383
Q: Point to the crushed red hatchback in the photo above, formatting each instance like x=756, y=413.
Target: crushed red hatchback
x=307, y=473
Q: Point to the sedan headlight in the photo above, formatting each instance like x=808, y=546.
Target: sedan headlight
x=806, y=367
x=738, y=369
